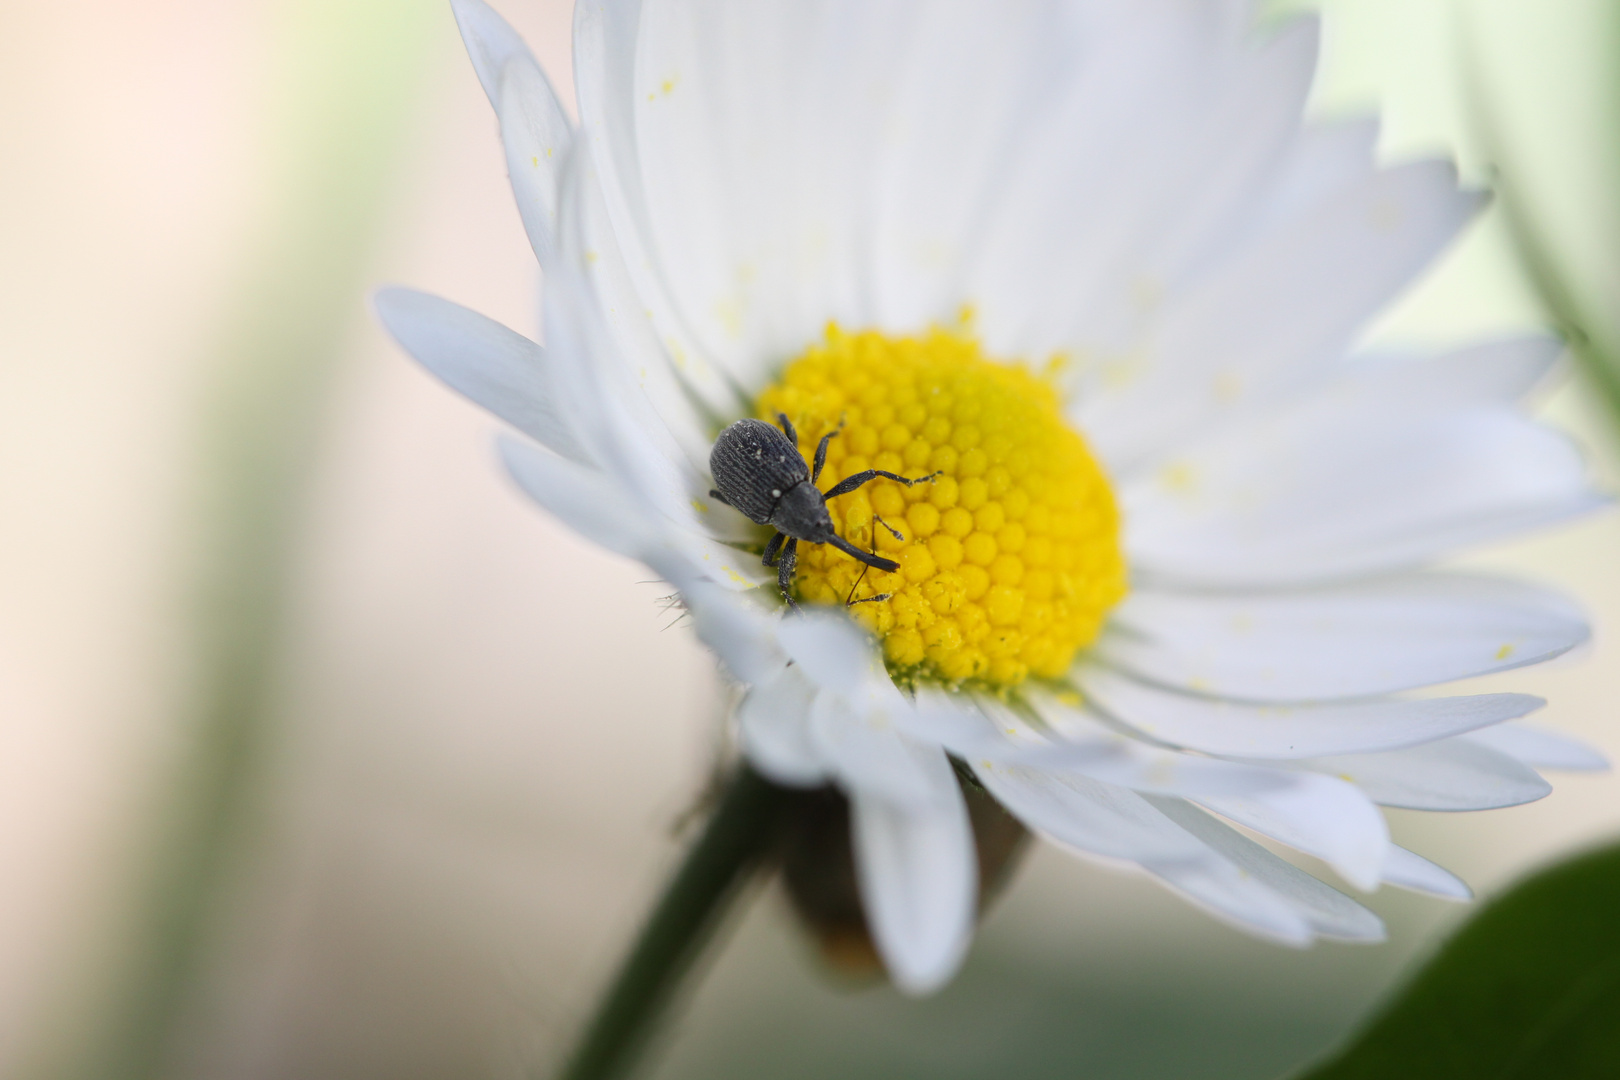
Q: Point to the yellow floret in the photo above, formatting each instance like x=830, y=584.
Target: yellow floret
x=1009, y=561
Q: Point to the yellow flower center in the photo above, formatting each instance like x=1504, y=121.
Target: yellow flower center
x=1009, y=561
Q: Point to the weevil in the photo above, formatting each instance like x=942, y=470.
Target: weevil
x=760, y=472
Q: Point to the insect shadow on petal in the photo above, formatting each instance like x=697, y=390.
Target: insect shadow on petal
x=758, y=470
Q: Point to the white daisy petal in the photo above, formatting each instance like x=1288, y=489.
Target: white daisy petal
x=593, y=505
x=491, y=43
x=1409, y=871
x=1086, y=746
x=497, y=368
x=536, y=135
x=1541, y=748
x=1235, y=897
x=1081, y=283
x=534, y=129
x=773, y=721
x=741, y=634
x=1322, y=816
x=1364, y=638
x=832, y=649
x=1237, y=729
x=620, y=421
x=1326, y=911
x=867, y=753
x=919, y=880
x=582, y=497
x=722, y=563
x=1452, y=775
x=619, y=426
x=1326, y=159
x=1499, y=372
x=1376, y=472
x=1125, y=762
x=614, y=415
x=709, y=82
x=607, y=418
x=605, y=43
x=1226, y=345
x=629, y=326
x=948, y=141
x=1087, y=815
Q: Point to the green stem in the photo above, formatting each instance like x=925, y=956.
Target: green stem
x=734, y=842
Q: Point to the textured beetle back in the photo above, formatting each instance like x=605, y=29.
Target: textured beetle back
x=753, y=464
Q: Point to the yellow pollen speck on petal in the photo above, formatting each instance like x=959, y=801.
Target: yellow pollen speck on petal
x=1504, y=652
x=728, y=313
x=1179, y=477
x=1009, y=561
x=1122, y=371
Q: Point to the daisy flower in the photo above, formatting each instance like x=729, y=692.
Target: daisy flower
x=1083, y=264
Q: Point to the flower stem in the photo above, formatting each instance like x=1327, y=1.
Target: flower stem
x=734, y=842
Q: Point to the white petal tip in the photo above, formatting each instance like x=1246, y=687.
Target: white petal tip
x=491, y=42
x=1293, y=939
x=918, y=882
x=925, y=970
x=1365, y=878
x=922, y=984
x=1407, y=870
x=393, y=303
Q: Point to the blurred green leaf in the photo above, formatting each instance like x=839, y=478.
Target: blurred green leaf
x=1540, y=84
x=1582, y=331
x=1528, y=989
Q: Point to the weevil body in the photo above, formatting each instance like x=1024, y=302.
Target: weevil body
x=759, y=470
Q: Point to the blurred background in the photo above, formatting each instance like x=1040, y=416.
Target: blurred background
x=324, y=754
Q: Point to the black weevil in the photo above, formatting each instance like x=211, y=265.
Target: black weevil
x=760, y=471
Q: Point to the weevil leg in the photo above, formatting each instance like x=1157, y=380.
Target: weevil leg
x=850, y=483
x=821, y=450
x=850, y=601
x=787, y=428
x=713, y=494
x=821, y=456
x=784, y=571
x=772, y=547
